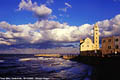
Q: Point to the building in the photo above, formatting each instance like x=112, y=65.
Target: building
x=96, y=37
x=111, y=45
x=87, y=44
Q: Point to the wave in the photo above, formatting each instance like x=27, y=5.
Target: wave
x=1, y=60
x=44, y=58
x=26, y=59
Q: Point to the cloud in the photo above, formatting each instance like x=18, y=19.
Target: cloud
x=42, y=31
x=41, y=12
x=68, y=5
x=61, y=15
x=53, y=31
x=4, y=42
x=110, y=27
x=50, y=1
x=53, y=17
x=65, y=8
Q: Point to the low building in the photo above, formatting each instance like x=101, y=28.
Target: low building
x=111, y=45
x=87, y=45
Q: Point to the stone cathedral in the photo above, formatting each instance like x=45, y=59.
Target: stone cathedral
x=87, y=44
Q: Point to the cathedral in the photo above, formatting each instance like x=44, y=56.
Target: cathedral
x=88, y=44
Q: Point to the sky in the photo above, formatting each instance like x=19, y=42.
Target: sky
x=51, y=24
x=81, y=11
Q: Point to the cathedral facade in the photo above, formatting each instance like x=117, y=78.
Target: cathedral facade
x=87, y=44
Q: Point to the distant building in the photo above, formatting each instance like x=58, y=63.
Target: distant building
x=87, y=44
x=111, y=45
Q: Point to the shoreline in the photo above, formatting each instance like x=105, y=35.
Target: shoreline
x=104, y=68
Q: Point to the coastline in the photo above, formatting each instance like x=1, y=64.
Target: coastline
x=105, y=68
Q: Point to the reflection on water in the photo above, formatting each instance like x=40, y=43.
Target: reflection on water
x=53, y=68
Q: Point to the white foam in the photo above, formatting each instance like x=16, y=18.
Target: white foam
x=1, y=60
x=25, y=59
x=43, y=58
x=40, y=58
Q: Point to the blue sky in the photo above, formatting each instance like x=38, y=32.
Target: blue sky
x=55, y=23
x=82, y=11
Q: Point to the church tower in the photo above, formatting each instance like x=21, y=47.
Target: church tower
x=96, y=37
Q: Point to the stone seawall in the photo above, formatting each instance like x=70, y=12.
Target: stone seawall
x=47, y=55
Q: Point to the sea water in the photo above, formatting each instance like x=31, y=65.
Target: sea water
x=28, y=67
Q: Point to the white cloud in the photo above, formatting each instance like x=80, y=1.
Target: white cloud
x=42, y=31
x=4, y=42
x=54, y=31
x=110, y=27
x=68, y=5
x=41, y=12
x=50, y=1
x=53, y=17
x=65, y=8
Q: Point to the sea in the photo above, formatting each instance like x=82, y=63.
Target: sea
x=29, y=67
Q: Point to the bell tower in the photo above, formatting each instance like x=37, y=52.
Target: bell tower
x=96, y=37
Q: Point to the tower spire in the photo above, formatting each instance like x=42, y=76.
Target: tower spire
x=96, y=36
